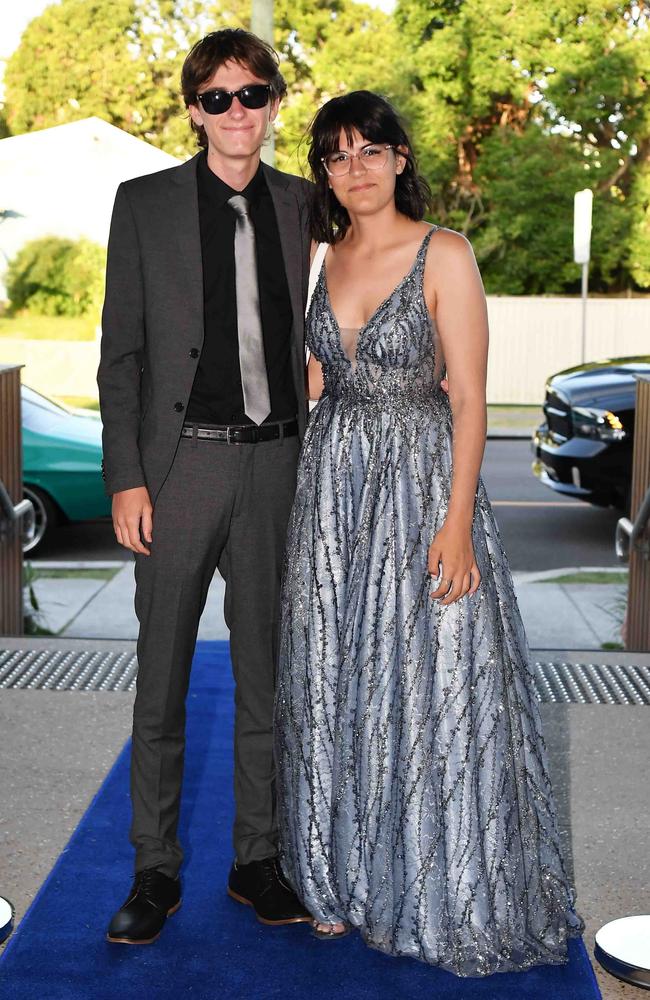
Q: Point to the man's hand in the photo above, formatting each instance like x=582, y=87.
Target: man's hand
x=132, y=516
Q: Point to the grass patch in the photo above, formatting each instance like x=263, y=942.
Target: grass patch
x=616, y=576
x=27, y=327
x=612, y=645
x=31, y=629
x=514, y=417
x=101, y=573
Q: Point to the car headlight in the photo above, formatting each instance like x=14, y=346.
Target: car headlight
x=601, y=424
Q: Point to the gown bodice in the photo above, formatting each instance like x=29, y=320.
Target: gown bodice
x=396, y=357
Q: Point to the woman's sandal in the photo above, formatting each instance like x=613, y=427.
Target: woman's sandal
x=330, y=934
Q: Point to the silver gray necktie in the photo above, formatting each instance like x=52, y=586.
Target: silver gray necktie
x=252, y=365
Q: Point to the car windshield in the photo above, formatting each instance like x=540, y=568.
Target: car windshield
x=40, y=412
x=31, y=396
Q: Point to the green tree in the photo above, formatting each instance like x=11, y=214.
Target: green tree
x=327, y=49
x=638, y=250
x=117, y=59
x=57, y=277
x=517, y=106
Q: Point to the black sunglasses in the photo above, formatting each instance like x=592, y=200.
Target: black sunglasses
x=215, y=102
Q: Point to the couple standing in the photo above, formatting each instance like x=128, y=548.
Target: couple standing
x=390, y=773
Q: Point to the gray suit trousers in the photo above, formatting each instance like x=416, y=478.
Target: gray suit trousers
x=224, y=506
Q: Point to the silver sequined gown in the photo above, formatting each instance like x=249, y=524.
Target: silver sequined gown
x=413, y=794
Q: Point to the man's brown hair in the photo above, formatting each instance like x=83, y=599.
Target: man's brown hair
x=229, y=45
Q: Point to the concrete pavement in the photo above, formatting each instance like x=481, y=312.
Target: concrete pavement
x=559, y=609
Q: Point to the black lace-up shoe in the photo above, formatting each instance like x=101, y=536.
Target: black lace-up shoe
x=153, y=897
x=262, y=885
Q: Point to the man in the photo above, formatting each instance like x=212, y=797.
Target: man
x=202, y=397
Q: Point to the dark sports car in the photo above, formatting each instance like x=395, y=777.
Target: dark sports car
x=584, y=448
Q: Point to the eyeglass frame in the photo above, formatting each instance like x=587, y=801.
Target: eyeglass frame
x=231, y=94
x=386, y=145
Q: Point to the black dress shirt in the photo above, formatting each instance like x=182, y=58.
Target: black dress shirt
x=217, y=396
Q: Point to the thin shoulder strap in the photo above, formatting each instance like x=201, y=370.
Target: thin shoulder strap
x=315, y=270
x=422, y=252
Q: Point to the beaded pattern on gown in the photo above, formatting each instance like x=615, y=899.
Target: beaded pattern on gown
x=414, y=799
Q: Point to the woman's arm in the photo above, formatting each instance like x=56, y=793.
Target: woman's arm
x=315, y=382
x=314, y=373
x=455, y=294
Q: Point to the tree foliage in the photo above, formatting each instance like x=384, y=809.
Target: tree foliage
x=329, y=47
x=512, y=106
x=517, y=106
x=116, y=59
x=57, y=277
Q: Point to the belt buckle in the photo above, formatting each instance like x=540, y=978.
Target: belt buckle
x=228, y=441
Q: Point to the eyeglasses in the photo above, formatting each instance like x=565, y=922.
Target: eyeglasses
x=215, y=102
x=373, y=156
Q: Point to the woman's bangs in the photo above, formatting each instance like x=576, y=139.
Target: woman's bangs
x=328, y=139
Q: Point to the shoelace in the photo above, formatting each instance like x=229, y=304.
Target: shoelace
x=271, y=874
x=145, y=882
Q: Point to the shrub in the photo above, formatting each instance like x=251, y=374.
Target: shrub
x=57, y=277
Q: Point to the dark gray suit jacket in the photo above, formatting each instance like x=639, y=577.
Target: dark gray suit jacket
x=152, y=321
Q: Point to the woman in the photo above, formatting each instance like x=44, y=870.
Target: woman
x=414, y=797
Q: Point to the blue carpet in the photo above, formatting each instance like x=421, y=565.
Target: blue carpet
x=213, y=948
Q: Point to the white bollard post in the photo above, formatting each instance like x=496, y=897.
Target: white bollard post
x=623, y=948
x=7, y=914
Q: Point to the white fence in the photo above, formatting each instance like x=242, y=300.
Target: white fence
x=55, y=367
x=530, y=339
x=533, y=337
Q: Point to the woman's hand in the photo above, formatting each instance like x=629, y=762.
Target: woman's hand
x=452, y=552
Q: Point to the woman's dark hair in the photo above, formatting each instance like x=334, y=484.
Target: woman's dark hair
x=220, y=47
x=377, y=121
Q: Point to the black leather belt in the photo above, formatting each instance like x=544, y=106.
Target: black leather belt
x=242, y=433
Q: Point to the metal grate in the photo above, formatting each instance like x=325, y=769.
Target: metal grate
x=592, y=683
x=556, y=681
x=67, y=670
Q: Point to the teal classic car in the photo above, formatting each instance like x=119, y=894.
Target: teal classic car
x=62, y=456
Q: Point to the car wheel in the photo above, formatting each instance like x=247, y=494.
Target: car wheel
x=45, y=516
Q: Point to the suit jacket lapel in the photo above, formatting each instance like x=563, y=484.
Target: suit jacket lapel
x=287, y=213
x=291, y=237
x=184, y=223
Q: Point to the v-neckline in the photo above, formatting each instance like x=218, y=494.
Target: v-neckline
x=363, y=328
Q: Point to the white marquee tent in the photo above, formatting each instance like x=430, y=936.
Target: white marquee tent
x=61, y=181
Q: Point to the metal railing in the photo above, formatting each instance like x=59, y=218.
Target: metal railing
x=11, y=513
x=633, y=536
x=13, y=508
x=633, y=533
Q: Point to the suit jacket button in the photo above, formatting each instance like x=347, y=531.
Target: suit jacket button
x=194, y=352
x=179, y=407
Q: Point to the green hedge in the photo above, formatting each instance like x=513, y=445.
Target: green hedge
x=52, y=276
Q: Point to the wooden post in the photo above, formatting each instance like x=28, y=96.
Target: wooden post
x=638, y=607
x=11, y=474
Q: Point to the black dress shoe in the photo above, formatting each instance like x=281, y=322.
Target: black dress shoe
x=262, y=885
x=154, y=896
